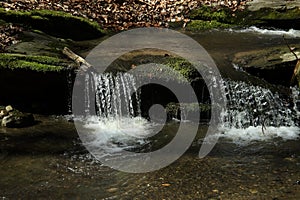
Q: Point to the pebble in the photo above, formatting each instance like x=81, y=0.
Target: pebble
x=112, y=190
x=3, y=113
x=9, y=108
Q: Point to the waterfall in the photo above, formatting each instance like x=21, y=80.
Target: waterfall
x=117, y=124
x=253, y=113
x=116, y=96
x=256, y=113
x=249, y=105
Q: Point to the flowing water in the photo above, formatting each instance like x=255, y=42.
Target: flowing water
x=256, y=157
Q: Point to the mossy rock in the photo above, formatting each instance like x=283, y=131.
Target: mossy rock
x=209, y=17
x=34, y=63
x=178, y=69
x=206, y=18
x=56, y=23
x=206, y=13
x=270, y=17
x=188, y=109
x=199, y=25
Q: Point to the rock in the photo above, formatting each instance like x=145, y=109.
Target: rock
x=3, y=113
x=9, y=108
x=258, y=4
x=188, y=109
x=17, y=119
x=274, y=64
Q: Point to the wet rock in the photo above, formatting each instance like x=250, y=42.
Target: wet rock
x=17, y=119
x=188, y=109
x=283, y=17
x=279, y=4
x=275, y=64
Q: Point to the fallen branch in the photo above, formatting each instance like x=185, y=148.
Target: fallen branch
x=263, y=126
x=83, y=65
x=297, y=67
x=296, y=72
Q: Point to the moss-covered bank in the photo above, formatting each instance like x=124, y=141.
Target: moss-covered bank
x=34, y=63
x=271, y=17
x=38, y=84
x=56, y=23
x=211, y=17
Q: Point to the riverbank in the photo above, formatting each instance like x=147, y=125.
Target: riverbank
x=122, y=15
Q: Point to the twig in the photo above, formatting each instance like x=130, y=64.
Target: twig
x=291, y=50
x=82, y=63
x=297, y=67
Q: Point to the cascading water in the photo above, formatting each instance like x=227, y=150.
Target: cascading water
x=253, y=113
x=250, y=105
x=114, y=97
x=256, y=113
x=117, y=124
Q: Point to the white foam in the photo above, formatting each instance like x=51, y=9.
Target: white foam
x=115, y=134
x=254, y=29
x=251, y=134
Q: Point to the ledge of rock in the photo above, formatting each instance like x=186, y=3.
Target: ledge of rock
x=276, y=4
x=275, y=64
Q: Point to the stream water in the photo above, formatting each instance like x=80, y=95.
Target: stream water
x=257, y=155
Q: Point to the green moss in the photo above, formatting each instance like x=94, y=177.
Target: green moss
x=198, y=25
x=206, y=13
x=287, y=18
x=35, y=63
x=184, y=67
x=178, y=69
x=56, y=23
x=173, y=108
x=206, y=18
x=271, y=14
x=209, y=17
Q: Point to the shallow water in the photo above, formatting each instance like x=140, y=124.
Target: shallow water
x=46, y=161
x=259, y=170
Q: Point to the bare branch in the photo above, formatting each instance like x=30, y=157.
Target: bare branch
x=82, y=63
